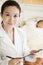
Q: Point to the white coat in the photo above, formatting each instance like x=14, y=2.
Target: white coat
x=7, y=48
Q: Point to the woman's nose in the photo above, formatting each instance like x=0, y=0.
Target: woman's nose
x=11, y=19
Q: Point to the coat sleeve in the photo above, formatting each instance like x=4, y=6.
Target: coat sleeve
x=3, y=62
x=26, y=49
x=25, y=44
x=3, y=59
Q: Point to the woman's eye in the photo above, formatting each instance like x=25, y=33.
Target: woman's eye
x=7, y=14
x=16, y=15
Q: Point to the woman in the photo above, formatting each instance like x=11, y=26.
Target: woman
x=12, y=39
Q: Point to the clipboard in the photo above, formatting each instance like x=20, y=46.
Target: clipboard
x=26, y=55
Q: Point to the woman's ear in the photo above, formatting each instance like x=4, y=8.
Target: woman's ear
x=1, y=16
x=0, y=13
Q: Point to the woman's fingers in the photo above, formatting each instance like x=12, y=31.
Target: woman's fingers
x=32, y=53
x=15, y=62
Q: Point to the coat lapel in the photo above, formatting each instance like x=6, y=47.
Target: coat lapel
x=18, y=41
x=7, y=45
x=11, y=49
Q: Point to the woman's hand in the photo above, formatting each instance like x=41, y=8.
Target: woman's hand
x=32, y=52
x=15, y=61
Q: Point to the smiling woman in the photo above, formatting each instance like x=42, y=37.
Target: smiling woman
x=13, y=39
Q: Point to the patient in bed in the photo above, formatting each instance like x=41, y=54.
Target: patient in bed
x=39, y=24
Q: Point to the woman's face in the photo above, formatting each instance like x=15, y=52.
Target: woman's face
x=10, y=16
x=40, y=25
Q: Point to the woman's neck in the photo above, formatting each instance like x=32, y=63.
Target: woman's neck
x=8, y=30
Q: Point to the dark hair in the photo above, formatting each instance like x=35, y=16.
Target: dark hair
x=38, y=22
x=10, y=3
